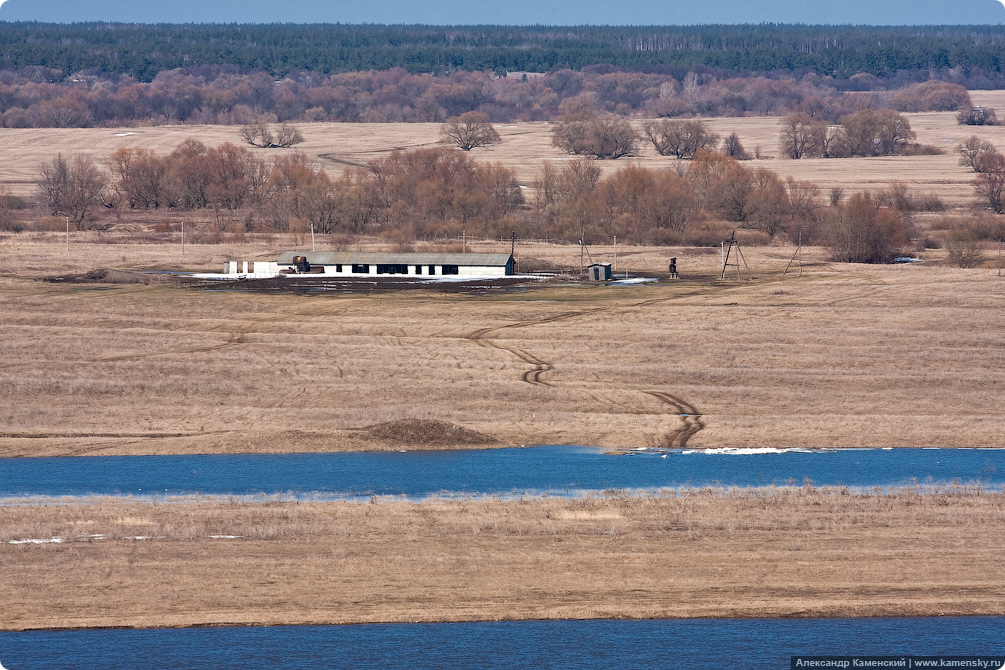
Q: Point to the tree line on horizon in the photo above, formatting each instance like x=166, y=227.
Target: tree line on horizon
x=971, y=54
x=40, y=98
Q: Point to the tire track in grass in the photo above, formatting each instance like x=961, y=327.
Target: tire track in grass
x=539, y=366
x=690, y=418
x=691, y=421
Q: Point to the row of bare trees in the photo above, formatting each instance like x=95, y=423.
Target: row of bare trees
x=610, y=137
x=667, y=205
x=867, y=132
x=419, y=190
x=441, y=191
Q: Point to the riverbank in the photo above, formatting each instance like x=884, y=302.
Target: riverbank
x=842, y=356
x=708, y=553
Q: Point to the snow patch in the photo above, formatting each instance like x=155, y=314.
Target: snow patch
x=634, y=280
x=747, y=451
x=54, y=540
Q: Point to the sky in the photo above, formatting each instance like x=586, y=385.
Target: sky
x=511, y=12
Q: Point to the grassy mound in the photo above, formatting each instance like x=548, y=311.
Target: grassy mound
x=426, y=431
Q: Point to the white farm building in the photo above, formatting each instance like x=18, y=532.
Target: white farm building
x=344, y=263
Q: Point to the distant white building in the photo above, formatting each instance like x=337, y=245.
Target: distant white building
x=345, y=263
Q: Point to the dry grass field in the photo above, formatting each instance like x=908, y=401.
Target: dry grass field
x=801, y=553
x=837, y=355
x=845, y=355
x=525, y=146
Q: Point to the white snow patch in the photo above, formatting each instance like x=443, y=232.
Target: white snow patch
x=54, y=540
x=125, y=134
x=226, y=537
x=747, y=451
x=634, y=280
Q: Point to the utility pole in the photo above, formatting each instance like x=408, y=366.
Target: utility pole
x=615, y=253
x=797, y=254
x=464, y=242
x=512, y=248
x=183, y=238
x=67, y=234
x=313, y=248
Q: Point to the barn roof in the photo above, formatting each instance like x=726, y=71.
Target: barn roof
x=357, y=258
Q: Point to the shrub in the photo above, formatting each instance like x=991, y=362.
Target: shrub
x=977, y=116
x=862, y=231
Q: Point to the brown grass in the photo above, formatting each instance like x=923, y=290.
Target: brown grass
x=845, y=355
x=704, y=553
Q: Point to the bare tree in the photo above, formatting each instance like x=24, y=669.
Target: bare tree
x=288, y=136
x=731, y=147
x=679, y=138
x=260, y=135
x=974, y=152
x=963, y=247
x=70, y=187
x=876, y=132
x=257, y=134
x=802, y=137
x=989, y=185
x=691, y=85
x=601, y=137
x=469, y=131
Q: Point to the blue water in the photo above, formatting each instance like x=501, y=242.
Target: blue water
x=696, y=643
x=551, y=470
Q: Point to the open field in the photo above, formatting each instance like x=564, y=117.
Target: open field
x=844, y=355
x=801, y=552
x=526, y=145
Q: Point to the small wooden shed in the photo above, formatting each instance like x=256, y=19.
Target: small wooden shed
x=599, y=272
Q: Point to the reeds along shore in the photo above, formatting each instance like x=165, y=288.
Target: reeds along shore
x=782, y=552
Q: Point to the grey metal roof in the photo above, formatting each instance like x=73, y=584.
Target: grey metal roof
x=351, y=258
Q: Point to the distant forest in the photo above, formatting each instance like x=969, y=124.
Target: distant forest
x=972, y=54
x=98, y=74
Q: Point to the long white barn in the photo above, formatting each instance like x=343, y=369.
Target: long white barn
x=345, y=263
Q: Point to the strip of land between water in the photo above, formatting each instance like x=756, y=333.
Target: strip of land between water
x=781, y=553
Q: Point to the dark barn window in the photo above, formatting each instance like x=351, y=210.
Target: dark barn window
x=392, y=269
x=361, y=269
x=451, y=270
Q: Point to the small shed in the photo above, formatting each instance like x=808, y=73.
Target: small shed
x=599, y=272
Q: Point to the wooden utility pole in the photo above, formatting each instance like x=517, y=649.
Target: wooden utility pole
x=67, y=234
x=798, y=252
x=183, y=238
x=739, y=257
